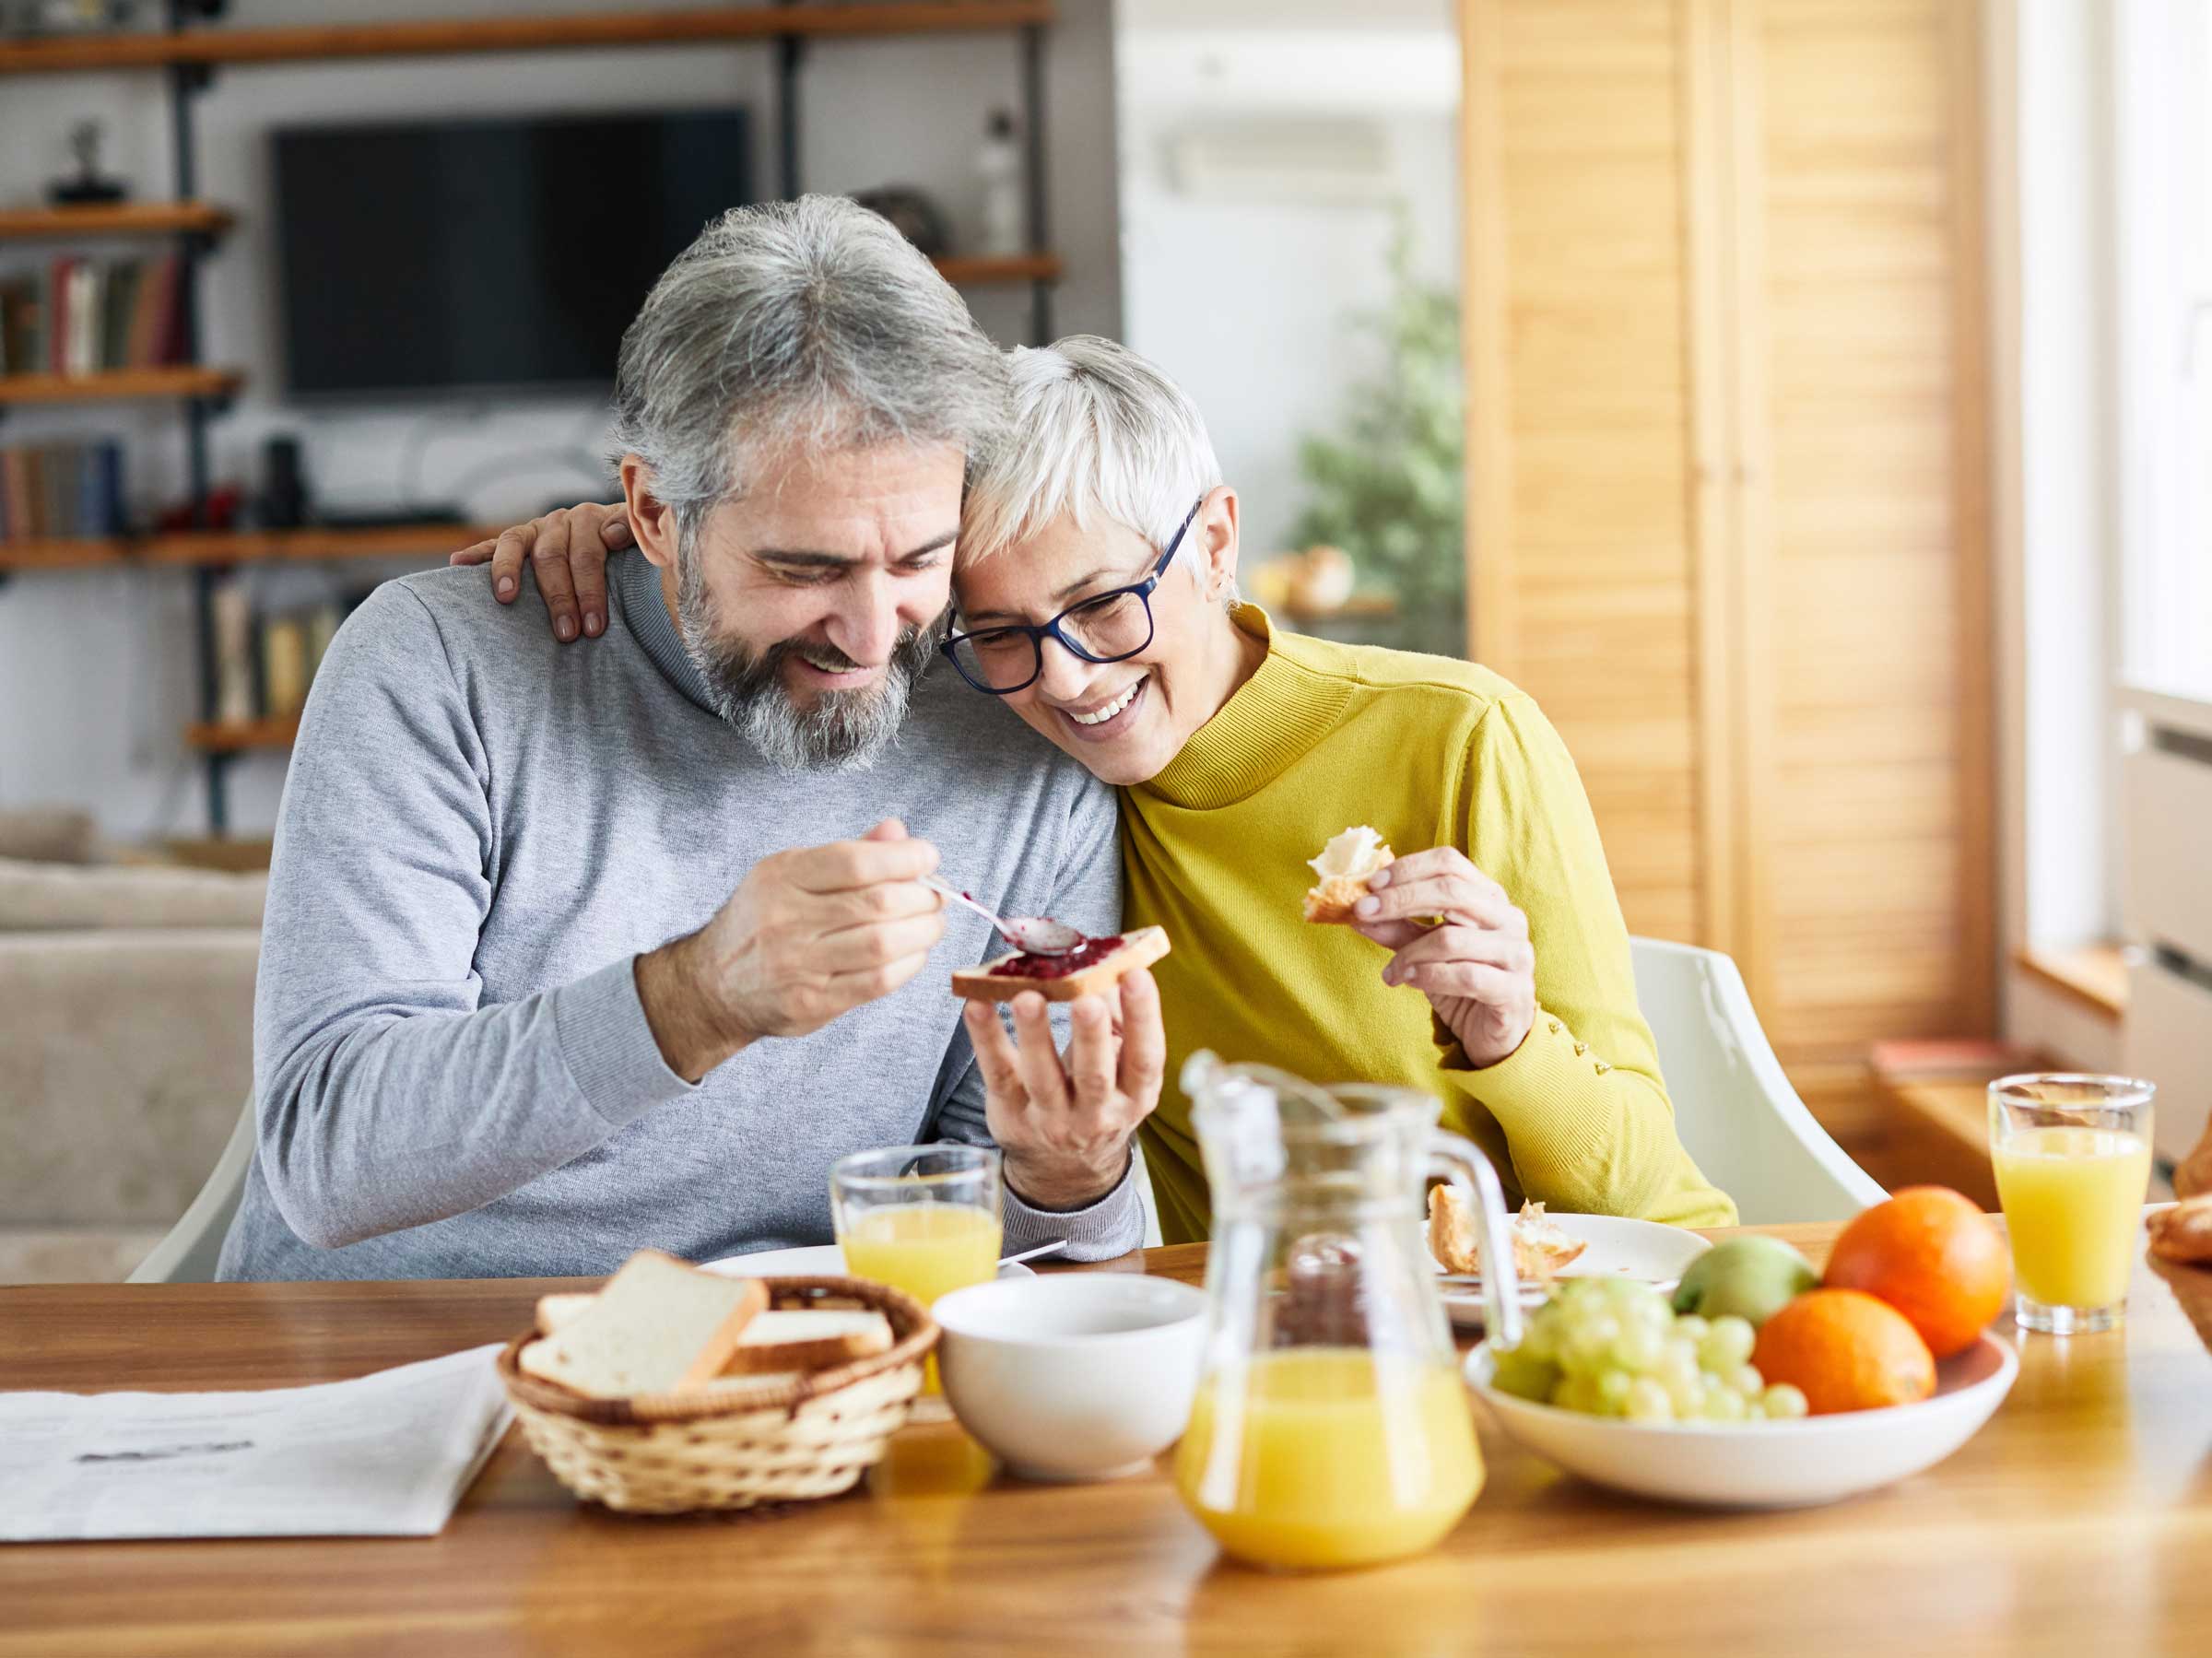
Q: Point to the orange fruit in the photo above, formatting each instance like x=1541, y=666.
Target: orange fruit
x=1934, y=1256
x=1845, y=1351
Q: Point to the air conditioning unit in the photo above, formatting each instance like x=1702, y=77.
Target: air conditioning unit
x=1319, y=161
x=2166, y=784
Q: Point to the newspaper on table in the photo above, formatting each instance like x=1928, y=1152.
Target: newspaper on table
x=383, y=1456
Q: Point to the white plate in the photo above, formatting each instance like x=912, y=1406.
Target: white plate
x=1763, y=1465
x=817, y=1260
x=1615, y=1248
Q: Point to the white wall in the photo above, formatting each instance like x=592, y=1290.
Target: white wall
x=97, y=671
x=1244, y=300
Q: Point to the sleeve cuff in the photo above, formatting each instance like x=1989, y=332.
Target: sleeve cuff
x=608, y=1046
x=1112, y=1226
x=1529, y=1089
x=1538, y=1093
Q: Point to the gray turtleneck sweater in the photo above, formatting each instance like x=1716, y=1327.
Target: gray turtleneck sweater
x=481, y=830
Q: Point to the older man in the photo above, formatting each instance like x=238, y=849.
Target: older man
x=567, y=953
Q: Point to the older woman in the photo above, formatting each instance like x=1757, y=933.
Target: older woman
x=1095, y=592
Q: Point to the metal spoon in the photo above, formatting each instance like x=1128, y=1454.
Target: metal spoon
x=1035, y=934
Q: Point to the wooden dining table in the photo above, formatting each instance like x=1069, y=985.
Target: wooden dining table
x=2077, y=1521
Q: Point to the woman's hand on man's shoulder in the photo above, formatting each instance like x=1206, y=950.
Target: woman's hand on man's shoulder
x=567, y=548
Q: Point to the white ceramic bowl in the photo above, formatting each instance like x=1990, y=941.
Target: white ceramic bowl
x=1072, y=1376
x=1763, y=1465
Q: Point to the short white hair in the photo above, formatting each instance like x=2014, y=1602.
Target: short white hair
x=1093, y=432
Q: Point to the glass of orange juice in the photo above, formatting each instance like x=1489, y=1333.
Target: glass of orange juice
x=2071, y=1154
x=926, y=1219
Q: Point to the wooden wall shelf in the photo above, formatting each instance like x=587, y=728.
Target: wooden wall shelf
x=257, y=546
x=193, y=547
x=2095, y=976
x=64, y=552
x=235, y=737
x=117, y=219
x=424, y=38
x=980, y=269
x=117, y=383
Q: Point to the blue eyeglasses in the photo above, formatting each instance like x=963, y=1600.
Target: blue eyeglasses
x=1107, y=627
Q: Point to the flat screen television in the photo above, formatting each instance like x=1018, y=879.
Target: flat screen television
x=487, y=254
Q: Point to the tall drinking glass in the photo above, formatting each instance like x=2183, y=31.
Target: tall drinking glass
x=926, y=1219
x=2071, y=1154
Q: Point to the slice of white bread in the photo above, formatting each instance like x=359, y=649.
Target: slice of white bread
x=802, y=1339
x=1139, y=949
x=808, y=1339
x=659, y=1326
x=1340, y=874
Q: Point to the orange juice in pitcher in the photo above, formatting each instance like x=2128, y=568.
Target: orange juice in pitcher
x=1331, y=1426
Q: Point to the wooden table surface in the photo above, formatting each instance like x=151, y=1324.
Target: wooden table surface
x=2079, y=1520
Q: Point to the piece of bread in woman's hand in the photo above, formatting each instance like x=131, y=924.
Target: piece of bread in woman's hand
x=1341, y=871
x=2184, y=1233
x=1092, y=969
x=1540, y=1248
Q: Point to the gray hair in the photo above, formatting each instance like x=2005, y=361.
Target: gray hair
x=1093, y=430
x=792, y=325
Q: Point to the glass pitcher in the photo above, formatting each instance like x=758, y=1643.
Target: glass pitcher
x=1331, y=1426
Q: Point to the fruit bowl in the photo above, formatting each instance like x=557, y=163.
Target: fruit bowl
x=1763, y=1464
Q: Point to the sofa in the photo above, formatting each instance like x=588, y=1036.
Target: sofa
x=126, y=1044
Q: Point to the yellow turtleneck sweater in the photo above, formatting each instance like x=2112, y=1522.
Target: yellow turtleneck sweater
x=1432, y=752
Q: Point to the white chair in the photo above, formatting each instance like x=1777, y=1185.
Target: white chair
x=1735, y=1111
x=189, y=1254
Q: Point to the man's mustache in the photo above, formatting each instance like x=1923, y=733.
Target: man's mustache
x=828, y=657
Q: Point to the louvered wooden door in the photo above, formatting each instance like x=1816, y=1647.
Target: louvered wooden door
x=1725, y=456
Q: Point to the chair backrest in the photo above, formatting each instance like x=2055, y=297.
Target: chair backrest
x=188, y=1256
x=1735, y=1111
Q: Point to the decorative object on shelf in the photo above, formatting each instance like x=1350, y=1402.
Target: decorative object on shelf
x=220, y=506
x=912, y=214
x=998, y=165
x=87, y=188
x=1388, y=490
x=284, y=503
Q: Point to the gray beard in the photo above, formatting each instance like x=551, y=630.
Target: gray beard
x=843, y=731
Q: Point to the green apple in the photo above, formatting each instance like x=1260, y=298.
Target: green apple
x=1751, y=1277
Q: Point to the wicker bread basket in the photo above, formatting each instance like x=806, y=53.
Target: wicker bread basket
x=737, y=1446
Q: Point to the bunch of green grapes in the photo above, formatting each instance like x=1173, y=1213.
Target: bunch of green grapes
x=1611, y=1347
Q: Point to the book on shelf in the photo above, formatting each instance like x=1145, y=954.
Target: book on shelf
x=283, y=665
x=61, y=490
x=266, y=658
x=232, y=608
x=83, y=316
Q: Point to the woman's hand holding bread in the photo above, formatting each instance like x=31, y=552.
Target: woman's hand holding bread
x=1063, y=1123
x=1477, y=969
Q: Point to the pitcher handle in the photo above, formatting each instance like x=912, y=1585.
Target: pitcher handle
x=1462, y=1162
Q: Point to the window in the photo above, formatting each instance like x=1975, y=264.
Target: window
x=2162, y=206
